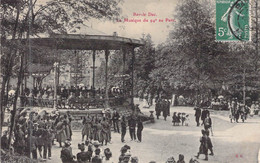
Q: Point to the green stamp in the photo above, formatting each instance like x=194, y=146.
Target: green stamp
x=232, y=20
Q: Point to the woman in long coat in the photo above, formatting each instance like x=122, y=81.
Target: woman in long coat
x=61, y=132
x=203, y=149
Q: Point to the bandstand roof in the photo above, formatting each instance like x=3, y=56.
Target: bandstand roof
x=84, y=38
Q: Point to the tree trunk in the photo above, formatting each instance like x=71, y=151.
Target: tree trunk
x=20, y=78
x=2, y=104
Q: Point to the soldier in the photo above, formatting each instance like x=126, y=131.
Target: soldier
x=86, y=127
x=123, y=129
x=139, y=130
x=47, y=138
x=132, y=125
x=105, y=131
x=61, y=133
x=99, y=129
x=66, y=153
x=67, y=122
x=38, y=132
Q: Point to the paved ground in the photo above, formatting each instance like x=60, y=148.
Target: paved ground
x=237, y=143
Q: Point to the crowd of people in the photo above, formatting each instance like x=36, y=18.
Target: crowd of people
x=238, y=110
x=34, y=134
x=99, y=129
x=95, y=154
x=162, y=106
x=180, y=118
x=71, y=97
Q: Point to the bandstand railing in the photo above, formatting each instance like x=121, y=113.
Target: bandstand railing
x=75, y=103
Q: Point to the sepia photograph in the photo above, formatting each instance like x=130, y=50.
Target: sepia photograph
x=130, y=81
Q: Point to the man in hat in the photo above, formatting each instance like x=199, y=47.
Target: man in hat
x=158, y=108
x=165, y=109
x=203, y=115
x=97, y=158
x=123, y=129
x=38, y=131
x=132, y=126
x=181, y=159
x=47, y=138
x=66, y=153
x=197, y=115
x=83, y=156
x=139, y=129
x=115, y=119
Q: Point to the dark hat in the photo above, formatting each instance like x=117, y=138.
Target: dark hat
x=123, y=150
x=181, y=157
x=81, y=146
x=97, y=151
x=107, y=152
x=127, y=146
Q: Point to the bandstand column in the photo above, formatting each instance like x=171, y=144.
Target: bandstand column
x=133, y=61
x=106, y=79
x=93, y=77
x=55, y=85
x=124, y=73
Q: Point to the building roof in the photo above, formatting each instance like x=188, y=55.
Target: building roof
x=83, y=37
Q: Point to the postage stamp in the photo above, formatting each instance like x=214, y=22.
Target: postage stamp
x=232, y=20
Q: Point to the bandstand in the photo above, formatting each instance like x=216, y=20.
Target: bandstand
x=90, y=42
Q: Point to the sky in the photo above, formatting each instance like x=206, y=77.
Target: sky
x=163, y=9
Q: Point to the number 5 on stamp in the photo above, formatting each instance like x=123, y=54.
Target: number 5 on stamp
x=232, y=20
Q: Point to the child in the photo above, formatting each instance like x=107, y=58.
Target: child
x=182, y=118
x=178, y=119
x=174, y=119
x=187, y=120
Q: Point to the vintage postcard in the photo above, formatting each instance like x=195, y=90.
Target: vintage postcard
x=130, y=81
